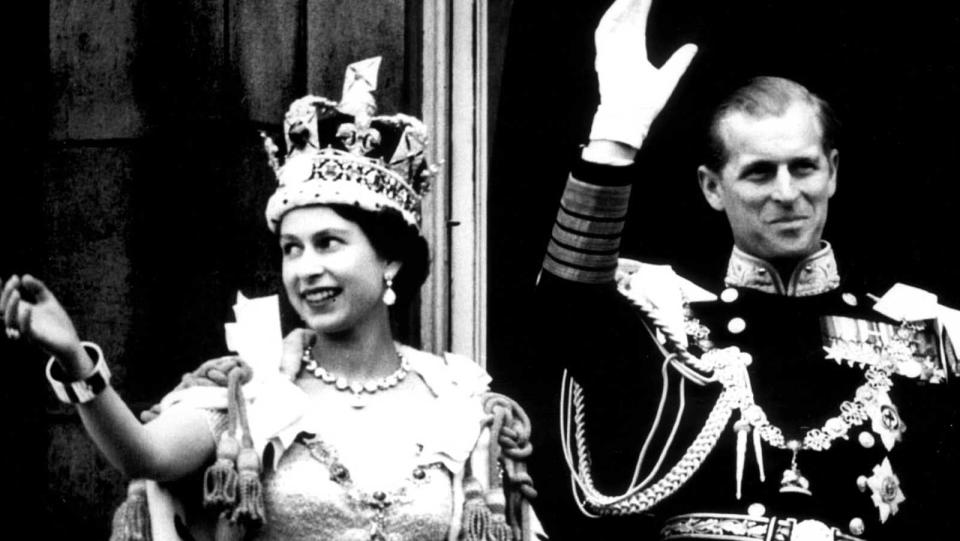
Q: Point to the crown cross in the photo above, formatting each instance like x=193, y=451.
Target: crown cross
x=329, y=156
x=358, y=140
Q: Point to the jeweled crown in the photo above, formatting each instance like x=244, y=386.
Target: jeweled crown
x=341, y=153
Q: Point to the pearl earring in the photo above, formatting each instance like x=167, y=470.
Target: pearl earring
x=389, y=295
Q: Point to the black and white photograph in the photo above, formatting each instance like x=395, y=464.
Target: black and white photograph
x=505, y=270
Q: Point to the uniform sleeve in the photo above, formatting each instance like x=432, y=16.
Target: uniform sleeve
x=585, y=324
x=585, y=241
x=586, y=327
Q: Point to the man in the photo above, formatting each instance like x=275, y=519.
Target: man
x=778, y=410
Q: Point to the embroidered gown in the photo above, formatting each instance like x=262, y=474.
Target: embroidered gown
x=389, y=471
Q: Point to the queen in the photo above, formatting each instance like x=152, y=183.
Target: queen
x=356, y=436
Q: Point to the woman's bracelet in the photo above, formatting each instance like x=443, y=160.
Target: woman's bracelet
x=82, y=390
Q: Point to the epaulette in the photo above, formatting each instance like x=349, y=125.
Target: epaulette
x=660, y=288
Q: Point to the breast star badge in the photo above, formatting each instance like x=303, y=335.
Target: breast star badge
x=885, y=419
x=885, y=490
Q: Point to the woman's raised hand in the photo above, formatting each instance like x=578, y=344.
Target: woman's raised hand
x=31, y=311
x=632, y=90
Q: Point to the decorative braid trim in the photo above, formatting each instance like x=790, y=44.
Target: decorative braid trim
x=641, y=497
x=638, y=499
x=585, y=242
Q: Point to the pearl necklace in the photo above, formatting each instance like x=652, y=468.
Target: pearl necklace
x=357, y=388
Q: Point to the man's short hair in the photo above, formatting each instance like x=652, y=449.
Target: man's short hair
x=762, y=97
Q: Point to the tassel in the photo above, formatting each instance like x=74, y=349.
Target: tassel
x=742, y=427
x=499, y=529
x=131, y=521
x=250, y=498
x=476, y=515
x=228, y=530
x=758, y=453
x=220, y=479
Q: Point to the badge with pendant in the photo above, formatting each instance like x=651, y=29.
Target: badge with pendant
x=909, y=350
x=882, y=350
x=792, y=480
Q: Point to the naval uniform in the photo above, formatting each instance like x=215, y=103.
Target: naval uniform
x=867, y=444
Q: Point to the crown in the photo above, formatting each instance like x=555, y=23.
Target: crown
x=340, y=153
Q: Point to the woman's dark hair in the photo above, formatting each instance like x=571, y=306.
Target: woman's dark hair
x=394, y=240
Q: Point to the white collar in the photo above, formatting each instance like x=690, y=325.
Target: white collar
x=813, y=275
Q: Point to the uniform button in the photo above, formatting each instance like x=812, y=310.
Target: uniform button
x=729, y=295
x=857, y=526
x=736, y=325
x=756, y=510
x=866, y=439
x=850, y=299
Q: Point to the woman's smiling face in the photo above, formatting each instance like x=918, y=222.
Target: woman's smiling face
x=332, y=275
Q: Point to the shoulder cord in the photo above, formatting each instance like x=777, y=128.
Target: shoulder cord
x=509, y=448
x=131, y=520
x=641, y=496
x=249, y=508
x=232, y=483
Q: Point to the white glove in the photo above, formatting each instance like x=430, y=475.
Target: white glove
x=632, y=91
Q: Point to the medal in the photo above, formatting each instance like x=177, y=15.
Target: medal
x=885, y=490
x=793, y=480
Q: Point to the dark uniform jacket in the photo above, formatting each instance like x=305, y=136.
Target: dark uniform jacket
x=890, y=470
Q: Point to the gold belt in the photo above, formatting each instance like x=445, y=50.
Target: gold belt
x=731, y=527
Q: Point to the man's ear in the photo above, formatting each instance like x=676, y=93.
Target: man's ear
x=711, y=187
x=834, y=167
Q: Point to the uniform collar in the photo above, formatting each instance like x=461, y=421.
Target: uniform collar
x=815, y=274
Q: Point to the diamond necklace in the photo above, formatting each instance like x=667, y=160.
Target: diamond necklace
x=357, y=388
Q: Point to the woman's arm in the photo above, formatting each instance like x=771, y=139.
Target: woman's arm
x=169, y=447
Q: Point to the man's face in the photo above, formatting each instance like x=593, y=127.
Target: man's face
x=776, y=184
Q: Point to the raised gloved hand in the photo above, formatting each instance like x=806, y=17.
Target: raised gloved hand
x=632, y=90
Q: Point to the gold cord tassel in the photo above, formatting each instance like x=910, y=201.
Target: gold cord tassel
x=499, y=529
x=228, y=530
x=131, y=521
x=742, y=427
x=758, y=453
x=476, y=515
x=250, y=498
x=220, y=479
